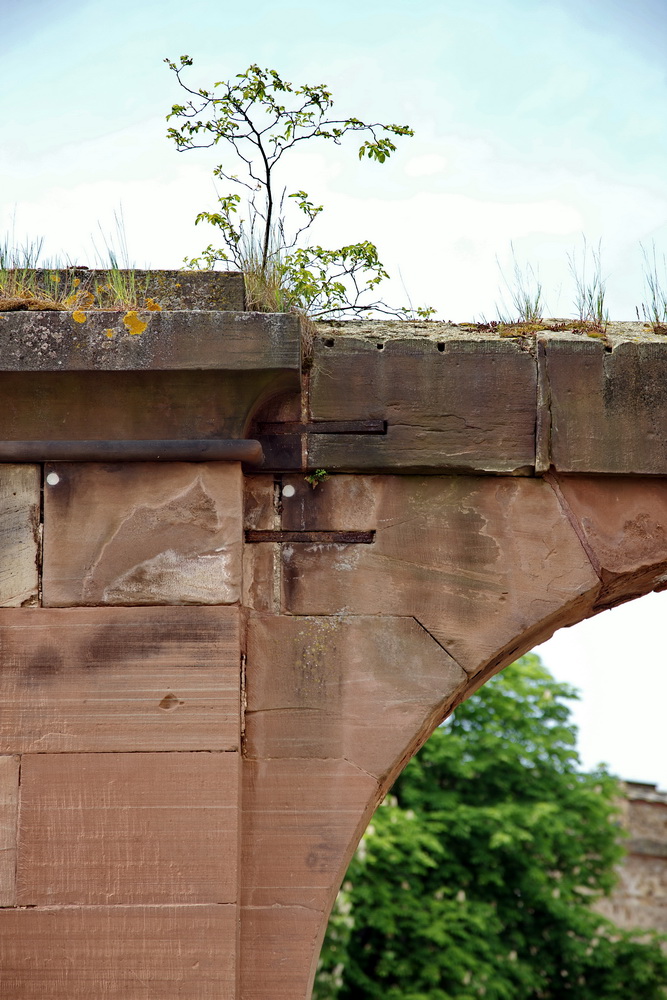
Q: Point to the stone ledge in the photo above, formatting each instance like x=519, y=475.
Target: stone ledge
x=139, y=340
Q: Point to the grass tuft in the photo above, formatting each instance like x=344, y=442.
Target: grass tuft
x=57, y=285
x=525, y=292
x=654, y=310
x=590, y=287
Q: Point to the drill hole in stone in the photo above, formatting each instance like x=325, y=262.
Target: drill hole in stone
x=170, y=702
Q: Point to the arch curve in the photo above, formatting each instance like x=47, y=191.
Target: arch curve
x=374, y=645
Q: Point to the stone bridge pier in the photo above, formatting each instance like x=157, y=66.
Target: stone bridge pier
x=210, y=671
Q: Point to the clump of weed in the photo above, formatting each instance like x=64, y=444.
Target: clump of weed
x=525, y=292
x=590, y=288
x=654, y=310
x=57, y=285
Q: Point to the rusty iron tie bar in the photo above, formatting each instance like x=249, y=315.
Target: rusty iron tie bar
x=311, y=537
x=184, y=450
x=324, y=427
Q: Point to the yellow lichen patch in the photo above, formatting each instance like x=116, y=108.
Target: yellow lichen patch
x=78, y=316
x=133, y=324
x=153, y=306
x=108, y=333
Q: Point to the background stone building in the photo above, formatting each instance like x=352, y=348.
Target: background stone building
x=640, y=899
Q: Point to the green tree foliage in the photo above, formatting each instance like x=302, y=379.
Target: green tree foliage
x=259, y=118
x=477, y=874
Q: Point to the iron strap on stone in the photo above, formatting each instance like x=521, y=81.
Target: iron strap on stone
x=326, y=427
x=312, y=537
x=283, y=442
x=170, y=450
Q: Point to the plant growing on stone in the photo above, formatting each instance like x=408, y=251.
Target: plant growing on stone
x=259, y=118
x=316, y=477
x=655, y=285
x=28, y=283
x=525, y=292
x=590, y=286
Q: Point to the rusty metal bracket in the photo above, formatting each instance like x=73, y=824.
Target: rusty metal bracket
x=325, y=427
x=311, y=537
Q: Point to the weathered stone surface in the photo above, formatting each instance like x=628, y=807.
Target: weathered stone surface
x=133, y=405
x=261, y=582
x=608, y=409
x=341, y=503
x=261, y=577
x=143, y=533
x=169, y=289
x=9, y=803
x=455, y=406
x=479, y=562
x=128, y=828
x=301, y=823
x=640, y=898
x=260, y=503
x=623, y=523
x=106, y=679
x=19, y=534
x=358, y=688
x=280, y=946
x=119, y=953
x=139, y=340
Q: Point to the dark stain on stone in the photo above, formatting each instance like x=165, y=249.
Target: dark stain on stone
x=126, y=643
x=44, y=664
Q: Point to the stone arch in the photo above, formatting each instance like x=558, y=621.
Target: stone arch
x=485, y=490
x=374, y=645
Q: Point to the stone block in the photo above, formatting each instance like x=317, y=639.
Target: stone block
x=261, y=580
x=623, y=524
x=143, y=533
x=301, y=822
x=280, y=946
x=341, y=503
x=119, y=953
x=9, y=804
x=365, y=689
x=457, y=406
x=171, y=290
x=477, y=561
x=19, y=534
x=259, y=502
x=128, y=828
x=138, y=340
x=152, y=404
x=107, y=679
x=608, y=409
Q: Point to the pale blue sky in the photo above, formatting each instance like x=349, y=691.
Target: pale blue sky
x=535, y=121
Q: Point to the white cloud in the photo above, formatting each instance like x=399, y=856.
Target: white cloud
x=425, y=165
